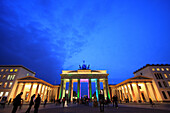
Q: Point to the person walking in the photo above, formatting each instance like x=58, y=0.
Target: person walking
x=63, y=101
x=115, y=99
x=17, y=102
x=30, y=104
x=45, y=102
x=37, y=104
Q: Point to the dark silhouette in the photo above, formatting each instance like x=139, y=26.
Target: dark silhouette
x=22, y=101
x=63, y=101
x=9, y=101
x=37, y=104
x=101, y=100
x=115, y=101
x=31, y=103
x=17, y=102
x=151, y=102
x=45, y=102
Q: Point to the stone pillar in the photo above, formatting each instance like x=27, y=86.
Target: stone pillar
x=56, y=96
x=43, y=92
x=154, y=92
x=36, y=92
x=89, y=90
x=78, y=89
x=61, y=89
x=104, y=89
x=107, y=88
x=30, y=92
x=123, y=90
x=72, y=92
x=139, y=94
x=64, y=88
x=98, y=86
x=133, y=94
x=22, y=90
x=128, y=93
x=147, y=91
x=97, y=93
x=16, y=91
x=69, y=91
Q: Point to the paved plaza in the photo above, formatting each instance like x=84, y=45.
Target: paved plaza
x=73, y=108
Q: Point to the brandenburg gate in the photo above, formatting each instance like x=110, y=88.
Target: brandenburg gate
x=84, y=74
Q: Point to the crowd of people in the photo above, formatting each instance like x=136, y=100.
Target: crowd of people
x=18, y=101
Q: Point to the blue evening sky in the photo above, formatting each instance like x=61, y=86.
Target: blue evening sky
x=119, y=36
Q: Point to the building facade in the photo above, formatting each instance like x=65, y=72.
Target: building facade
x=8, y=78
x=84, y=75
x=161, y=79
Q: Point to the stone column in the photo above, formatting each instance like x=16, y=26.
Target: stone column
x=139, y=94
x=123, y=89
x=22, y=90
x=30, y=92
x=56, y=97
x=154, y=92
x=78, y=89
x=89, y=90
x=16, y=91
x=36, y=92
x=104, y=89
x=133, y=94
x=147, y=91
x=64, y=89
x=107, y=88
x=69, y=91
x=128, y=93
x=98, y=86
x=72, y=91
x=43, y=92
x=61, y=89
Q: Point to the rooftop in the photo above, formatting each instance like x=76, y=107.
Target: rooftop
x=17, y=66
x=151, y=65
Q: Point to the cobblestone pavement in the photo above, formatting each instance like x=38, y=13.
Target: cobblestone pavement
x=73, y=108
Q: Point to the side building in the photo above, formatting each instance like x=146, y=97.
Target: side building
x=160, y=74
x=8, y=78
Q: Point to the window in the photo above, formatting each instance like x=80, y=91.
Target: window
x=0, y=83
x=3, y=76
x=162, y=69
x=153, y=69
x=164, y=83
x=167, y=69
x=15, y=70
x=159, y=84
x=164, y=94
x=140, y=73
x=9, y=76
x=5, y=85
x=10, y=84
x=168, y=93
x=1, y=93
x=6, y=94
x=11, y=70
x=169, y=83
x=2, y=70
x=156, y=76
x=7, y=70
x=157, y=69
x=27, y=74
x=165, y=75
x=13, y=77
x=160, y=75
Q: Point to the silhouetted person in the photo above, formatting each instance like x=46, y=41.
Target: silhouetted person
x=22, y=101
x=151, y=102
x=115, y=99
x=31, y=103
x=37, y=104
x=9, y=101
x=101, y=100
x=45, y=102
x=63, y=101
x=17, y=102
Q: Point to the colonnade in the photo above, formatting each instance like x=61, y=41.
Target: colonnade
x=29, y=89
x=136, y=91
x=70, y=89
